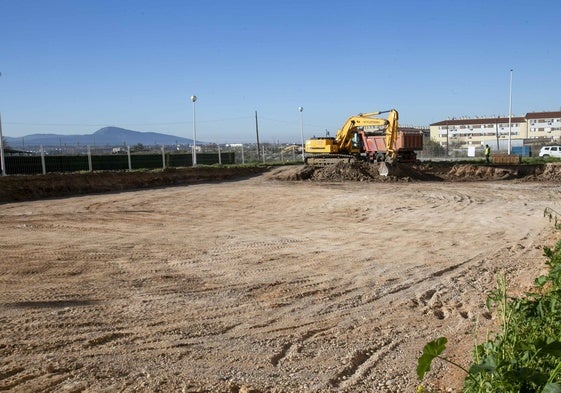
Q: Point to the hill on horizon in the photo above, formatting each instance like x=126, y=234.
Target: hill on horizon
x=106, y=136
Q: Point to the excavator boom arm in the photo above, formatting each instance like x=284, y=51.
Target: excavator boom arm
x=345, y=135
x=391, y=135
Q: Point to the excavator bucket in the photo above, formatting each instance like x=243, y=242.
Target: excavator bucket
x=387, y=167
x=383, y=169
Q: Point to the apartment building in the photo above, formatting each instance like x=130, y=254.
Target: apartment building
x=544, y=125
x=464, y=132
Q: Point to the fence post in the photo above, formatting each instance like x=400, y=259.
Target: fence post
x=90, y=159
x=129, y=156
x=243, y=158
x=163, y=159
x=263, y=149
x=43, y=166
x=219, y=156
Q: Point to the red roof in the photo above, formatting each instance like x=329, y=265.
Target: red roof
x=487, y=120
x=495, y=120
x=542, y=115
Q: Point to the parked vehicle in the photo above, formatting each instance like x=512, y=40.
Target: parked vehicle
x=550, y=151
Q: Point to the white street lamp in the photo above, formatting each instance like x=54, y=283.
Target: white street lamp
x=193, y=99
x=2, y=162
x=510, y=113
x=300, y=109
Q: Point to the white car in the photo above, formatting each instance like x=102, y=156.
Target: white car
x=550, y=151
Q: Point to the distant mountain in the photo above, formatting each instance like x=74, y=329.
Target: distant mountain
x=107, y=136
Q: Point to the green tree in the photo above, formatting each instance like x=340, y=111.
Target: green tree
x=433, y=148
x=138, y=147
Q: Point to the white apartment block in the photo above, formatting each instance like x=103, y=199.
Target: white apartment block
x=480, y=131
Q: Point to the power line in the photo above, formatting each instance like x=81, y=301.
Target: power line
x=132, y=123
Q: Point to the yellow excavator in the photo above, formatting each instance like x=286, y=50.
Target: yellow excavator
x=364, y=137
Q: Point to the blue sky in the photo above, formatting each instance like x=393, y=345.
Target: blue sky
x=74, y=66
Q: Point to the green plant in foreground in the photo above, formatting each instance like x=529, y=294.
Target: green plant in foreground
x=522, y=380
x=431, y=351
x=525, y=356
x=553, y=215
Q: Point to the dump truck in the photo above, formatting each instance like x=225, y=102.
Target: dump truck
x=406, y=145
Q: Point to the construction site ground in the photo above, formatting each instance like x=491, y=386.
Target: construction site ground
x=282, y=279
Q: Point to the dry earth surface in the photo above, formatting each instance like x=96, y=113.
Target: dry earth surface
x=291, y=280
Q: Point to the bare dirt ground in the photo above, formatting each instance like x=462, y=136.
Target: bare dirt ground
x=269, y=283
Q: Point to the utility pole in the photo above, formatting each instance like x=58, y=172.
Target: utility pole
x=447, y=138
x=497, y=132
x=257, y=133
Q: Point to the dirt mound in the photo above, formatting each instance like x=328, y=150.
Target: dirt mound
x=364, y=172
x=551, y=172
x=354, y=171
x=475, y=172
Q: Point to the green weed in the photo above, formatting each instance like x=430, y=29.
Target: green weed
x=525, y=356
x=553, y=216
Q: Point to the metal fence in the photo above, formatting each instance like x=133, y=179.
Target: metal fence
x=97, y=159
x=43, y=164
x=60, y=161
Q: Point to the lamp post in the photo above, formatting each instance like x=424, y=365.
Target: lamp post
x=194, y=99
x=2, y=162
x=510, y=114
x=300, y=109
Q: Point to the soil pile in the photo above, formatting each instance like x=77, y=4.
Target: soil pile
x=364, y=172
x=354, y=171
x=551, y=172
x=476, y=172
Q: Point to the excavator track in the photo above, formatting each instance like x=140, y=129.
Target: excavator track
x=328, y=159
x=385, y=168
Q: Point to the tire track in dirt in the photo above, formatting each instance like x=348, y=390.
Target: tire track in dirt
x=305, y=287
x=359, y=364
x=294, y=346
